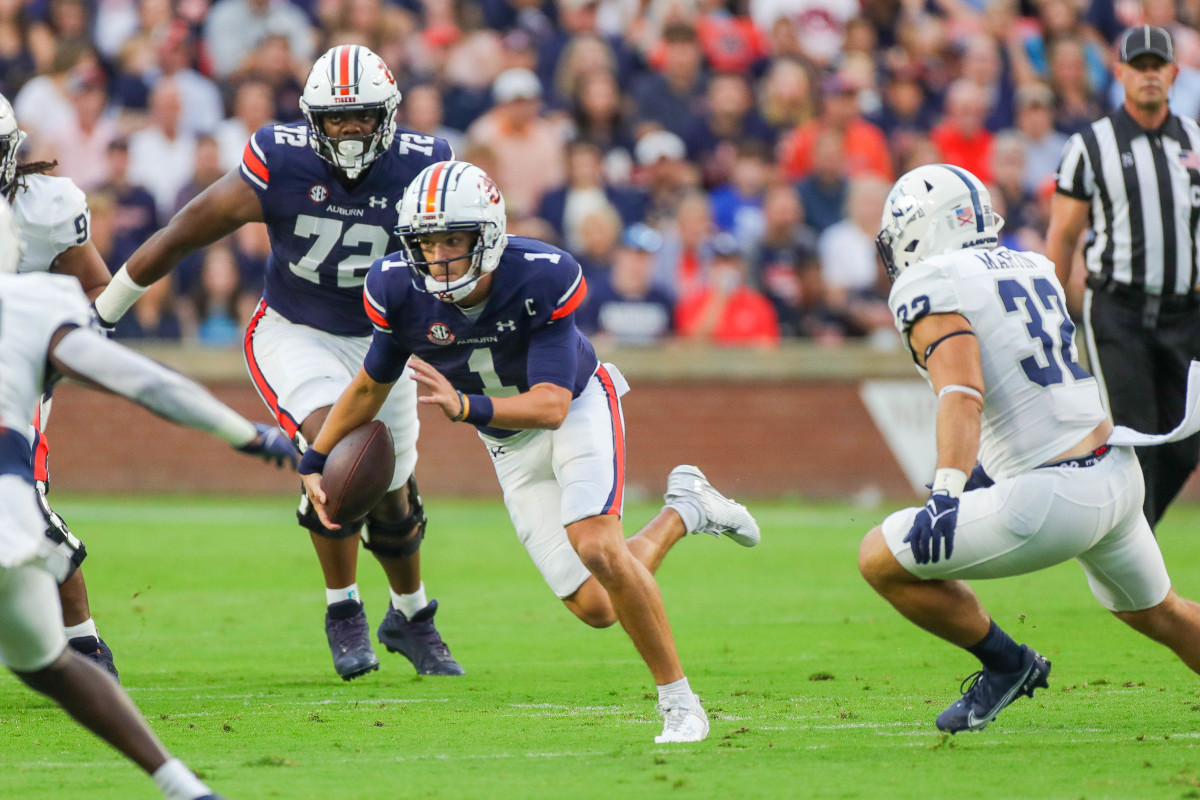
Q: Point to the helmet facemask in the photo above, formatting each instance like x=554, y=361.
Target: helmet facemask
x=10, y=142
x=351, y=154
x=444, y=288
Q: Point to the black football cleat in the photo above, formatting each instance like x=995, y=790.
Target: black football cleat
x=95, y=650
x=350, y=639
x=987, y=693
x=419, y=641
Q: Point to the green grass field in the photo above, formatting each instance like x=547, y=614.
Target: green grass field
x=814, y=686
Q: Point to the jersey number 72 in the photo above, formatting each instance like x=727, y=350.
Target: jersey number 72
x=352, y=270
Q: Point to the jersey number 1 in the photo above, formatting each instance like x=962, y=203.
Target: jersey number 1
x=1017, y=299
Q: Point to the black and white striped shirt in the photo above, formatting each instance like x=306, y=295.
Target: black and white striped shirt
x=1144, y=190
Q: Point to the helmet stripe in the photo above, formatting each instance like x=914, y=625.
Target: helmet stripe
x=431, y=191
x=974, y=195
x=343, y=69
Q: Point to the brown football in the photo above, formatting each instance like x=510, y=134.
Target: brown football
x=357, y=472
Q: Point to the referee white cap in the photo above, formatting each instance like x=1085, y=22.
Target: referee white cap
x=1146, y=39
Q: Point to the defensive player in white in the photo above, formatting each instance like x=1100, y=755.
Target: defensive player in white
x=988, y=329
x=327, y=190
x=488, y=322
x=54, y=225
x=45, y=333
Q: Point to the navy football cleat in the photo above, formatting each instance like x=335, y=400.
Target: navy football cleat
x=95, y=650
x=419, y=641
x=987, y=693
x=350, y=639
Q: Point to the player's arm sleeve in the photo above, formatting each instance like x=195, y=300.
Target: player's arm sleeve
x=254, y=168
x=554, y=346
x=386, y=356
x=86, y=355
x=1075, y=176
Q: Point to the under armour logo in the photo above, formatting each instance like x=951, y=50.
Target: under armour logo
x=378, y=202
x=497, y=451
x=506, y=325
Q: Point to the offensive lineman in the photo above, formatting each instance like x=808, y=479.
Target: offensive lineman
x=327, y=190
x=988, y=328
x=45, y=333
x=54, y=226
x=488, y=321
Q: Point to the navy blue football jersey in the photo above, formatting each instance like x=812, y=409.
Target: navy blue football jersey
x=324, y=236
x=524, y=335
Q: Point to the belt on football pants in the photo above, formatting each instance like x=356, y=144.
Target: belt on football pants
x=1090, y=460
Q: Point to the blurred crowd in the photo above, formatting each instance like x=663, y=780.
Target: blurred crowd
x=718, y=168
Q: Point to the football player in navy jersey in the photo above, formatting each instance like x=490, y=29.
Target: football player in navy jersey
x=486, y=323
x=327, y=190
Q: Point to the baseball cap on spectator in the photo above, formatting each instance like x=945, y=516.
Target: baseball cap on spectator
x=517, y=83
x=725, y=245
x=1146, y=39
x=1035, y=95
x=641, y=236
x=657, y=145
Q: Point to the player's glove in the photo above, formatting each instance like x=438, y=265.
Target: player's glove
x=935, y=524
x=272, y=445
x=978, y=479
x=100, y=325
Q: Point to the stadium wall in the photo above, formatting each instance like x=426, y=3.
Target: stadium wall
x=788, y=422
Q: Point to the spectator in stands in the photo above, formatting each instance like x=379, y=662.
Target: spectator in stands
x=786, y=96
x=728, y=119
x=819, y=24
x=1076, y=103
x=626, y=307
x=599, y=233
x=42, y=104
x=582, y=55
x=203, y=109
x=16, y=60
x=731, y=41
x=725, y=310
x=1042, y=144
x=274, y=62
x=235, y=28
x=207, y=171
x=962, y=137
x=682, y=262
x=162, y=156
x=983, y=65
x=530, y=149
x=566, y=206
x=383, y=27
x=738, y=204
x=666, y=176
x=785, y=266
x=673, y=97
x=1060, y=21
x=1015, y=202
x=864, y=147
x=422, y=111
x=599, y=116
x=81, y=146
x=823, y=191
x=905, y=113
x=253, y=107
x=855, y=283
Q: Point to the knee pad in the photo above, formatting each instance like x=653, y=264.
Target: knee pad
x=306, y=516
x=398, y=539
x=65, y=542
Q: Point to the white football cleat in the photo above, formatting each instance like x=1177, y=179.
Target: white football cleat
x=722, y=516
x=683, y=723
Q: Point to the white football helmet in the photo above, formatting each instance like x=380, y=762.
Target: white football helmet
x=452, y=196
x=11, y=138
x=935, y=209
x=10, y=239
x=350, y=78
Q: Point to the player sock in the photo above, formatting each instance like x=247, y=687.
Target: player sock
x=338, y=595
x=409, y=604
x=997, y=651
x=678, y=689
x=690, y=511
x=85, y=628
x=177, y=782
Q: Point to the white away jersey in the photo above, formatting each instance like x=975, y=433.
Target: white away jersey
x=1038, y=401
x=32, y=308
x=52, y=216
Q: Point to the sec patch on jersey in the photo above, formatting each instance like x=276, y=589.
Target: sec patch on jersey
x=357, y=472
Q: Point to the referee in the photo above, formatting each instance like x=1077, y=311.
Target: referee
x=1132, y=180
